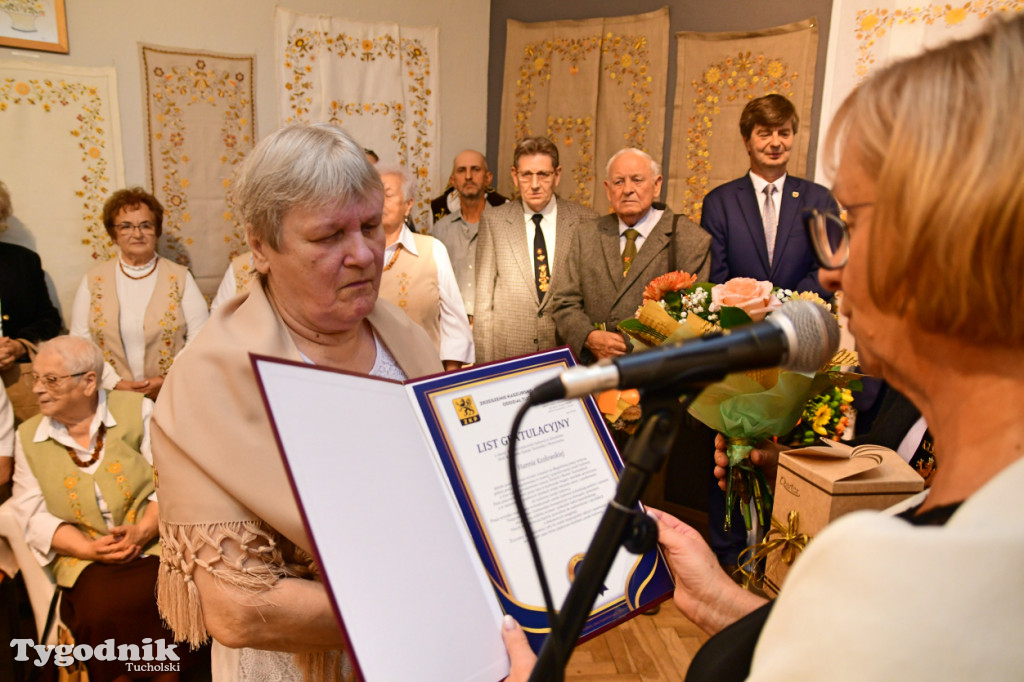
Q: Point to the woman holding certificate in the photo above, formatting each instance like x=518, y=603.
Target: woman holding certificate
x=930, y=160
x=236, y=559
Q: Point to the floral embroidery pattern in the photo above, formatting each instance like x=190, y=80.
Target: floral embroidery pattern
x=576, y=133
x=126, y=491
x=245, y=276
x=404, y=280
x=625, y=62
x=170, y=323
x=744, y=75
x=224, y=89
x=97, y=321
x=411, y=117
x=71, y=483
x=47, y=94
x=872, y=24
x=337, y=112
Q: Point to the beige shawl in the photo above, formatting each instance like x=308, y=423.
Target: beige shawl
x=220, y=475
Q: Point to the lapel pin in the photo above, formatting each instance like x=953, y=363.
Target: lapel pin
x=796, y=194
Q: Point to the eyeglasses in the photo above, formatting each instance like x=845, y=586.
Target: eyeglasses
x=542, y=176
x=830, y=237
x=145, y=227
x=52, y=380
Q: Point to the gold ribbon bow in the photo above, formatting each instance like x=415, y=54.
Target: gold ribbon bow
x=787, y=539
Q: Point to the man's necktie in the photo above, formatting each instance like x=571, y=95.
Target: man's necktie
x=540, y=258
x=771, y=221
x=629, y=253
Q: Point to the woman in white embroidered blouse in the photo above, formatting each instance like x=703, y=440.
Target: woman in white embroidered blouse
x=155, y=303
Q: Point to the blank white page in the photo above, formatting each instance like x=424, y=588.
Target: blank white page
x=414, y=598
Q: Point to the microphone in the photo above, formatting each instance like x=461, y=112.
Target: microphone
x=801, y=336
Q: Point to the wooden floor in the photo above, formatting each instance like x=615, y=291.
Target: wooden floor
x=644, y=649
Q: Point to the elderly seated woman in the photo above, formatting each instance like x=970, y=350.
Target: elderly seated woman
x=140, y=309
x=84, y=495
x=236, y=558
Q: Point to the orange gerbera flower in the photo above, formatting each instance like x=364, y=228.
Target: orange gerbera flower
x=673, y=281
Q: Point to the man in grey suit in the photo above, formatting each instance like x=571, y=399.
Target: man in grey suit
x=610, y=265
x=521, y=255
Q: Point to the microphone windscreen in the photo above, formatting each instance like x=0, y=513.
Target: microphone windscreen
x=816, y=335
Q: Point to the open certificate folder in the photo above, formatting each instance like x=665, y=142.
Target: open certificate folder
x=405, y=494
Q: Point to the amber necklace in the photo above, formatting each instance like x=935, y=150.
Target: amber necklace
x=95, y=452
x=151, y=270
x=394, y=257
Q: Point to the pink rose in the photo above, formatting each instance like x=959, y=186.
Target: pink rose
x=752, y=296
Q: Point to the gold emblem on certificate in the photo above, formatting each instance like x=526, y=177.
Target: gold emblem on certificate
x=466, y=409
x=574, y=566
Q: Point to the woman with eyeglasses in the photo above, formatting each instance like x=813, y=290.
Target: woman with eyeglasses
x=930, y=165
x=85, y=499
x=139, y=308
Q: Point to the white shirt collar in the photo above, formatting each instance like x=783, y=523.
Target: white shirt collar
x=760, y=183
x=546, y=212
x=405, y=238
x=645, y=225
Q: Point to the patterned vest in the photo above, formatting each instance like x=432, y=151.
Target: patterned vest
x=163, y=325
x=245, y=272
x=411, y=284
x=124, y=477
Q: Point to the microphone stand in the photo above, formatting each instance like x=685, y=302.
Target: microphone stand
x=621, y=525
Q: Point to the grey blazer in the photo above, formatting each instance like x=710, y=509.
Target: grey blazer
x=508, y=318
x=593, y=289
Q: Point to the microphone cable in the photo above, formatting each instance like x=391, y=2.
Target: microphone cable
x=524, y=520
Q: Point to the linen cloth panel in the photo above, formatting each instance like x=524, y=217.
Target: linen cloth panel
x=866, y=35
x=60, y=133
x=200, y=124
x=593, y=87
x=718, y=73
x=378, y=81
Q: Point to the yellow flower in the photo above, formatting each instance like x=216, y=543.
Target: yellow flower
x=956, y=15
x=809, y=296
x=538, y=63
x=869, y=22
x=367, y=45
x=713, y=75
x=821, y=418
x=114, y=468
x=70, y=482
x=21, y=88
x=775, y=68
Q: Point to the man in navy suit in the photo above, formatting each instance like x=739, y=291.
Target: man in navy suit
x=756, y=221
x=757, y=231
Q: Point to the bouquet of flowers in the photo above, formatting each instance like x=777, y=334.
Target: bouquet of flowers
x=825, y=416
x=745, y=407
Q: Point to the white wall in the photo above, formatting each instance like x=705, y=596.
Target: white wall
x=107, y=32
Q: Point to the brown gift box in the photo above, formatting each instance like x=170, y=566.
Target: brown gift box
x=821, y=484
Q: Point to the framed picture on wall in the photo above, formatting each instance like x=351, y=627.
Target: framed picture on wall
x=34, y=25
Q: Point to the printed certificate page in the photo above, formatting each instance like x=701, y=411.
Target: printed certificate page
x=568, y=472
